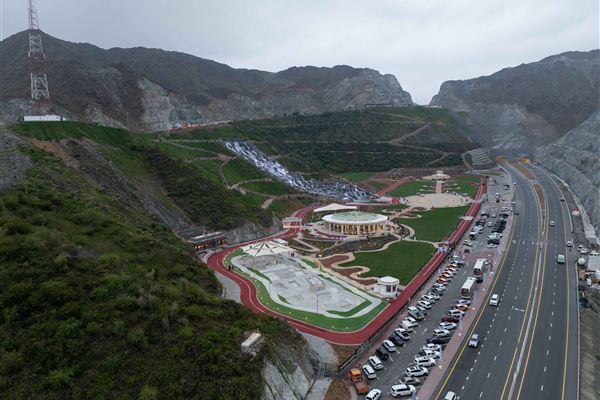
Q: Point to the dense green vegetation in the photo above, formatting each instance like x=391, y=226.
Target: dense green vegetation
x=100, y=301
x=401, y=260
x=202, y=200
x=412, y=188
x=435, y=225
x=271, y=188
x=238, y=170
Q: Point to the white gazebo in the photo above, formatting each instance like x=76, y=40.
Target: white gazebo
x=334, y=207
x=387, y=286
x=268, y=248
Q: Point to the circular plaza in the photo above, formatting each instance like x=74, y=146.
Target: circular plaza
x=356, y=223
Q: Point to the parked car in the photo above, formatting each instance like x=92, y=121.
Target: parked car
x=426, y=362
x=374, y=394
x=369, y=372
x=451, y=319
x=429, y=353
x=432, y=346
x=402, y=390
x=424, y=303
x=441, y=332
x=464, y=301
x=389, y=346
x=412, y=321
x=382, y=354
x=396, y=340
x=461, y=307
x=407, y=325
x=416, y=371
x=402, y=334
x=437, y=340
x=410, y=380
x=448, y=326
x=456, y=313
x=375, y=363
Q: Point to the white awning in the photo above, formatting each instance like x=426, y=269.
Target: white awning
x=266, y=249
x=334, y=207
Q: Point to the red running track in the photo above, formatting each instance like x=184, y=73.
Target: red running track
x=249, y=295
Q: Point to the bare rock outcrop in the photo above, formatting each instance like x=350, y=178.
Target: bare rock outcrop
x=576, y=159
x=518, y=109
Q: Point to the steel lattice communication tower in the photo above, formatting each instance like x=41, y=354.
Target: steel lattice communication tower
x=40, y=95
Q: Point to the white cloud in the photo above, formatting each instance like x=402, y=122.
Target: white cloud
x=423, y=43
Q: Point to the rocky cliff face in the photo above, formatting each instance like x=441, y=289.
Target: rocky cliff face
x=576, y=159
x=149, y=89
x=518, y=109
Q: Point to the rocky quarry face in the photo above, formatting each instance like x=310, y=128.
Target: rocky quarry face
x=518, y=109
x=576, y=159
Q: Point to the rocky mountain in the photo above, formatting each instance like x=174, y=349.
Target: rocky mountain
x=517, y=109
x=576, y=158
x=152, y=89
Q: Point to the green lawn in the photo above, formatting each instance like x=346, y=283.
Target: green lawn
x=462, y=184
x=238, y=170
x=401, y=260
x=357, y=176
x=412, y=188
x=334, y=324
x=435, y=225
x=274, y=188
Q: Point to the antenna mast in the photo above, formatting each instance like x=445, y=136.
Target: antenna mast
x=40, y=95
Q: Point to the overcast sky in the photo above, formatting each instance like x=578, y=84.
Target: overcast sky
x=421, y=42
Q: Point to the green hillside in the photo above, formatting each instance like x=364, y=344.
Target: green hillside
x=100, y=301
x=192, y=185
x=377, y=139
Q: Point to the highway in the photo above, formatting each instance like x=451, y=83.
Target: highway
x=526, y=338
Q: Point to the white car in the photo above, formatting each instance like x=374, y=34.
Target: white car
x=375, y=362
x=552, y=223
x=466, y=302
x=593, y=253
x=451, y=395
x=429, y=298
x=456, y=313
x=490, y=224
x=416, y=371
x=374, y=394
x=474, y=341
x=412, y=321
x=424, y=303
x=432, y=346
x=430, y=353
x=494, y=300
x=402, y=333
x=389, y=346
x=569, y=244
x=434, y=295
x=441, y=333
x=583, y=251
x=426, y=362
x=448, y=326
x=402, y=390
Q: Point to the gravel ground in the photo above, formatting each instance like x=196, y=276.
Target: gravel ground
x=13, y=164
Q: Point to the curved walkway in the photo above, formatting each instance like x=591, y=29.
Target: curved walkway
x=249, y=297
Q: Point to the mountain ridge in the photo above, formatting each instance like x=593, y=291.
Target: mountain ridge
x=154, y=89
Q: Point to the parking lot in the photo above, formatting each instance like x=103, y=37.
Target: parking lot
x=395, y=366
